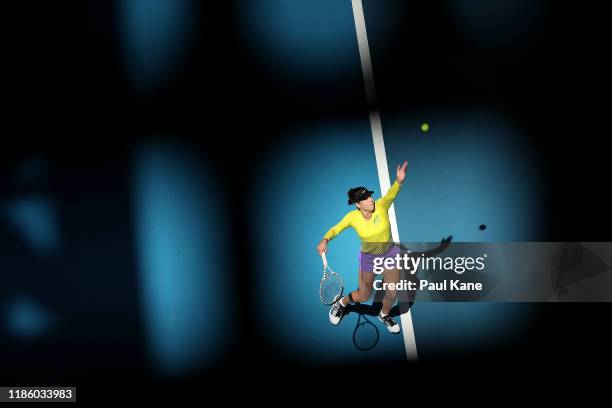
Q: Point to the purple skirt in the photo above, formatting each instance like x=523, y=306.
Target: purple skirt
x=366, y=261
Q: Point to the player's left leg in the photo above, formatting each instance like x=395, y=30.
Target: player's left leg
x=366, y=282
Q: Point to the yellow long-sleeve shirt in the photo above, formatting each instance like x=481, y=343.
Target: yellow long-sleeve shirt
x=375, y=233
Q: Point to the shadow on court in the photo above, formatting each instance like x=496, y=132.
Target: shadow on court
x=374, y=309
x=366, y=334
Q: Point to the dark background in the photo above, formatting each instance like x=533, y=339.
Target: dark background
x=65, y=96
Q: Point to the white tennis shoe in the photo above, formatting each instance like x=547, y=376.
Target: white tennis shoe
x=336, y=313
x=391, y=325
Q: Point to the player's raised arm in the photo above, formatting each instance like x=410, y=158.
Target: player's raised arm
x=387, y=200
x=401, y=173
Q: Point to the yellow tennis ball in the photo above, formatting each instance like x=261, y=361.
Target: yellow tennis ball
x=424, y=127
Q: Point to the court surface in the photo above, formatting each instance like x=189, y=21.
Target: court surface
x=469, y=169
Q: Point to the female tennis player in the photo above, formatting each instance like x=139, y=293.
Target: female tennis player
x=371, y=222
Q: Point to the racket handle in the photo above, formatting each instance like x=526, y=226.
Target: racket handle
x=324, y=259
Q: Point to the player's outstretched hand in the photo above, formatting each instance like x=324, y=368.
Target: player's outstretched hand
x=401, y=172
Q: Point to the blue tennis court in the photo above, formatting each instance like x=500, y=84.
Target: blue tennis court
x=471, y=175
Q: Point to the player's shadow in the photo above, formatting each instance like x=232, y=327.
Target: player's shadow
x=372, y=310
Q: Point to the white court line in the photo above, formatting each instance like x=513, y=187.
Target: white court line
x=381, y=156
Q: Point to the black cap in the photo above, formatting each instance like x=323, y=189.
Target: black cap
x=358, y=194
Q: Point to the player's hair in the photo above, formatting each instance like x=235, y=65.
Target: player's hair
x=357, y=194
x=351, y=195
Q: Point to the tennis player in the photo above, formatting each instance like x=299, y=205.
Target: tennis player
x=370, y=220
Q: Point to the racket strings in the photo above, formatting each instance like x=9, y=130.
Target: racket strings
x=331, y=288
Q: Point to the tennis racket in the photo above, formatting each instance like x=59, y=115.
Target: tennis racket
x=331, y=287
